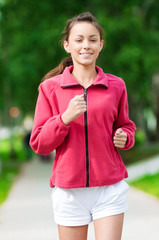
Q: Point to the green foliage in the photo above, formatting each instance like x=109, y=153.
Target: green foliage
x=140, y=152
x=148, y=183
x=130, y=53
x=13, y=149
x=6, y=181
x=140, y=137
x=30, y=46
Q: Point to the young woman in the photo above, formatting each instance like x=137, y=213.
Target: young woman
x=82, y=112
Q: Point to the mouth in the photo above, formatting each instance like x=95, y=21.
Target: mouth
x=86, y=54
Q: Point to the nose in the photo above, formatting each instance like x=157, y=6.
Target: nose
x=86, y=44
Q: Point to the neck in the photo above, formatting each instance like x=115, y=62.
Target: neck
x=85, y=75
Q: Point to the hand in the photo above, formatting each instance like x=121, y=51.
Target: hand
x=120, y=138
x=76, y=107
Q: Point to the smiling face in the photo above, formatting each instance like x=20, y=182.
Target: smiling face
x=84, y=43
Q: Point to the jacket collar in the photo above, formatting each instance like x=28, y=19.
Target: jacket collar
x=69, y=81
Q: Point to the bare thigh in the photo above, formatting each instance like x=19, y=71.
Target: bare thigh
x=109, y=228
x=73, y=233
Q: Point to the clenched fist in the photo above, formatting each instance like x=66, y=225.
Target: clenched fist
x=120, y=138
x=76, y=107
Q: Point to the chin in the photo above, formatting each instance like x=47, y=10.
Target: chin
x=86, y=62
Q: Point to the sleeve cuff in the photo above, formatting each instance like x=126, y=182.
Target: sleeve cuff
x=130, y=140
x=61, y=124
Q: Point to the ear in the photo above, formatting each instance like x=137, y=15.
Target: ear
x=66, y=46
x=101, y=45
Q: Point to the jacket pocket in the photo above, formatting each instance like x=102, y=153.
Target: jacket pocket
x=121, y=187
x=112, y=150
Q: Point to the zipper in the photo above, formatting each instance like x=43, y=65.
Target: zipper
x=86, y=140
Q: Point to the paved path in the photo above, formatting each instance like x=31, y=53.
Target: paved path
x=27, y=213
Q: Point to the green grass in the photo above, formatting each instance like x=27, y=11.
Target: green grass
x=11, y=162
x=148, y=183
x=7, y=178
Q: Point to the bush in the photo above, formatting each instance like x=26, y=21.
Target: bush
x=12, y=149
x=7, y=178
x=140, y=137
x=140, y=152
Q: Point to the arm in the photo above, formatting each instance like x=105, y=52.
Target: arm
x=48, y=131
x=124, y=123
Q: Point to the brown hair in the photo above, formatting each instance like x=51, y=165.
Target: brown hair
x=83, y=17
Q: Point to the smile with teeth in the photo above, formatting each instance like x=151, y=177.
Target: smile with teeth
x=86, y=54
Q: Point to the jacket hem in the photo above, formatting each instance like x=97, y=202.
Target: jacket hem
x=95, y=184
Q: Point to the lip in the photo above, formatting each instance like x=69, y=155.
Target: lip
x=86, y=53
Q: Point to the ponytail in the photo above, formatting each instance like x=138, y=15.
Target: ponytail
x=66, y=62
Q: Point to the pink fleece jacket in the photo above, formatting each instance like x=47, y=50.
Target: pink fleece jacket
x=85, y=153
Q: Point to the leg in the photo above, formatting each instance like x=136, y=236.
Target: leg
x=73, y=233
x=109, y=228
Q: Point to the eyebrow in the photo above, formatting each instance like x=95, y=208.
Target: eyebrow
x=93, y=35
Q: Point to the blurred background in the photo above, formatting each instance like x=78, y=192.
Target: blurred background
x=30, y=34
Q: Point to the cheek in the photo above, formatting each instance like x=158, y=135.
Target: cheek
x=74, y=47
x=97, y=51
x=96, y=48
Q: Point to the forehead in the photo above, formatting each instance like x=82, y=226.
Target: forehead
x=84, y=28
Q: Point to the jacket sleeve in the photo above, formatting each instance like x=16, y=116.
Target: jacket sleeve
x=48, y=131
x=124, y=122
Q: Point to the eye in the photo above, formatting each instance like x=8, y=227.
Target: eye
x=78, y=40
x=93, y=40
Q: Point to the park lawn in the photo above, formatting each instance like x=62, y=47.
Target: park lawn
x=7, y=178
x=148, y=183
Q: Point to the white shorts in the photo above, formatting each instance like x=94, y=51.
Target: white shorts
x=80, y=206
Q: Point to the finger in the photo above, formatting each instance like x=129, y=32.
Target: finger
x=81, y=96
x=118, y=137
x=121, y=135
x=119, y=145
x=81, y=104
x=119, y=142
x=78, y=103
x=80, y=99
x=83, y=109
x=118, y=131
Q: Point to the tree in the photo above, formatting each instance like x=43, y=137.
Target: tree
x=30, y=46
x=132, y=46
